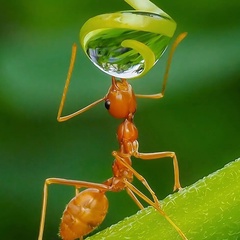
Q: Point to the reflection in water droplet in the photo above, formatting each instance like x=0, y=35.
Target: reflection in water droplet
x=113, y=66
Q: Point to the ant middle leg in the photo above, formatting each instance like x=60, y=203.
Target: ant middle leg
x=156, y=155
x=155, y=201
x=133, y=191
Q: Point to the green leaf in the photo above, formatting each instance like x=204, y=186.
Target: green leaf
x=208, y=209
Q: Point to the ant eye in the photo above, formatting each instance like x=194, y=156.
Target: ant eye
x=107, y=104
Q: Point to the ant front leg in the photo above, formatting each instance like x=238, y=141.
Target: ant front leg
x=65, y=90
x=76, y=184
x=165, y=78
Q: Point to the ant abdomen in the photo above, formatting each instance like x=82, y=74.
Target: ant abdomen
x=83, y=214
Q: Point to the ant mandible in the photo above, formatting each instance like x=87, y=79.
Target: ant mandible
x=89, y=207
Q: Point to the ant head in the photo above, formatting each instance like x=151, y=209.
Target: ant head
x=120, y=100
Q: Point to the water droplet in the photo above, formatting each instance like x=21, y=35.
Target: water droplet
x=105, y=49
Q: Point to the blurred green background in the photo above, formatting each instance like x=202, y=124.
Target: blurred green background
x=199, y=118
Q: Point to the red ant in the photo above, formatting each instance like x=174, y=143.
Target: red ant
x=89, y=207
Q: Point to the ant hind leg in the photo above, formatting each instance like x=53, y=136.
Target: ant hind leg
x=76, y=184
